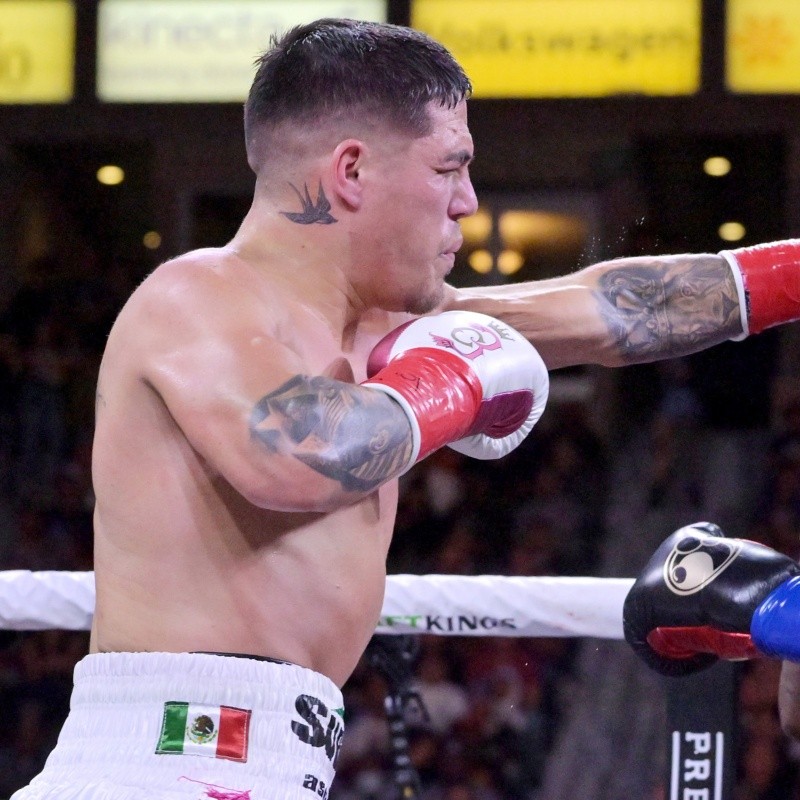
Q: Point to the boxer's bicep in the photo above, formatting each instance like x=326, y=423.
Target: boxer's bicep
x=284, y=439
x=352, y=435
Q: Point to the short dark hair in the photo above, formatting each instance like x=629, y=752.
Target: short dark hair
x=336, y=67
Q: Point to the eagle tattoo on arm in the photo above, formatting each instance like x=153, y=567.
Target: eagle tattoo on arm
x=349, y=434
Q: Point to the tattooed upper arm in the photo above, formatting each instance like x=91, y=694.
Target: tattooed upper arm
x=662, y=308
x=350, y=434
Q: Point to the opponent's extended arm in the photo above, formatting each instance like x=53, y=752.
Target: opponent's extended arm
x=789, y=699
x=703, y=596
x=639, y=309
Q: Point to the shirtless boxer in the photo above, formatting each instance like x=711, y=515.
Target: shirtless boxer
x=246, y=480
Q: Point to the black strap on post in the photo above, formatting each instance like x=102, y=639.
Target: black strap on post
x=701, y=715
x=395, y=658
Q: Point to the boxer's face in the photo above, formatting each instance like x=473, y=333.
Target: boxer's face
x=423, y=189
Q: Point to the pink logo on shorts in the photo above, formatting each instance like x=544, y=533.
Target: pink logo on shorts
x=214, y=792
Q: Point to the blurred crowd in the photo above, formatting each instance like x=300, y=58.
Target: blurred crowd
x=491, y=708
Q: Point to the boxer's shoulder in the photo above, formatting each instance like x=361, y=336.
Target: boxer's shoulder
x=201, y=292
x=203, y=310
x=211, y=275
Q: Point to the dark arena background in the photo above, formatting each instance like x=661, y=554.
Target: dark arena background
x=602, y=128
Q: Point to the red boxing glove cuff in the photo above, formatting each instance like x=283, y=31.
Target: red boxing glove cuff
x=442, y=397
x=768, y=279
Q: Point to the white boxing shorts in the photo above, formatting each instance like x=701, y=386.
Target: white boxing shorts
x=186, y=726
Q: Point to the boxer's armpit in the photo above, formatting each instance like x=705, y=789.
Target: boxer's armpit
x=662, y=308
x=352, y=435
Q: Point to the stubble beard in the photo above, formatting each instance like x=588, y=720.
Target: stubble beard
x=421, y=304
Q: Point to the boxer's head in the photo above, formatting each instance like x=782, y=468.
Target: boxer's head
x=340, y=73
x=360, y=129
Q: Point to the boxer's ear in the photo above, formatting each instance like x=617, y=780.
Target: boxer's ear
x=346, y=163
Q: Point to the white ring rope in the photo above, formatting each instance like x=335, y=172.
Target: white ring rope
x=449, y=605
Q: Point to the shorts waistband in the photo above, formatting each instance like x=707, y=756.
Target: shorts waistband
x=240, y=655
x=150, y=719
x=107, y=676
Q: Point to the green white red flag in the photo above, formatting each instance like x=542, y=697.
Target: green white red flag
x=213, y=731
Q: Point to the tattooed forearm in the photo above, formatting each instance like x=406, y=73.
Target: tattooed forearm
x=663, y=308
x=312, y=212
x=356, y=437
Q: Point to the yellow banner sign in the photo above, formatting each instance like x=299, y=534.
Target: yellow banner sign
x=198, y=50
x=763, y=46
x=37, y=51
x=569, y=48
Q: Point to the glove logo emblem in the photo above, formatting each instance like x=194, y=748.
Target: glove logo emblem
x=471, y=341
x=696, y=560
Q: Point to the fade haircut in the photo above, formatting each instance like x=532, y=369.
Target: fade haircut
x=340, y=69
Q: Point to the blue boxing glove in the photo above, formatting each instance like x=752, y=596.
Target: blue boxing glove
x=703, y=596
x=775, y=627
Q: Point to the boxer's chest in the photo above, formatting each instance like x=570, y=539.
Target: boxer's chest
x=323, y=354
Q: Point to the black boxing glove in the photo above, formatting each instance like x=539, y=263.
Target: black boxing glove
x=704, y=597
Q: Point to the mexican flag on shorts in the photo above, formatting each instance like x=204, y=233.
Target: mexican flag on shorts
x=213, y=731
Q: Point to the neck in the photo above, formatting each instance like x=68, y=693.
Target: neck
x=309, y=259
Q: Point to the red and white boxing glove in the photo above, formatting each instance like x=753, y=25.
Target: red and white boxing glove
x=463, y=379
x=768, y=280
